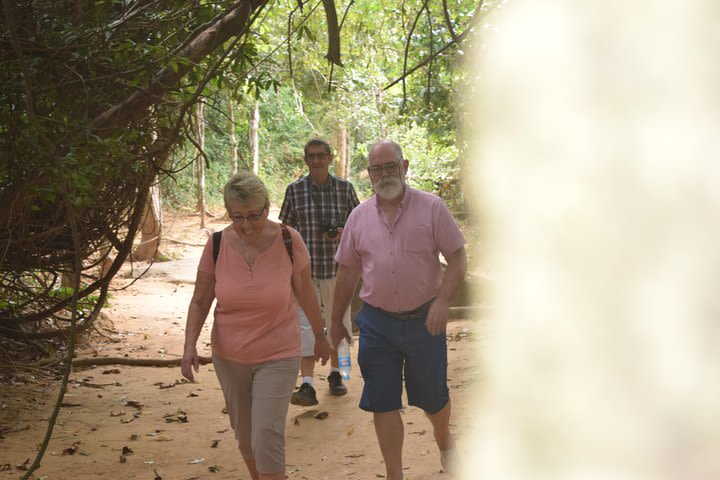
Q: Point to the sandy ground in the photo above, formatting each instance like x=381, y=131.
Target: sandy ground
x=126, y=422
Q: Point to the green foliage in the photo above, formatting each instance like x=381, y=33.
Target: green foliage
x=433, y=166
x=380, y=41
x=84, y=305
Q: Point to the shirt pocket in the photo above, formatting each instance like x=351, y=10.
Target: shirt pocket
x=420, y=241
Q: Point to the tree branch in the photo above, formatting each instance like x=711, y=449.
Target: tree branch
x=234, y=22
x=475, y=18
x=446, y=15
x=333, y=53
x=407, y=51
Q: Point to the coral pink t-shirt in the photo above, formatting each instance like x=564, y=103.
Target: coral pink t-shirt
x=255, y=316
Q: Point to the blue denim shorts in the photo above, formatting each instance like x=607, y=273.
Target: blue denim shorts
x=391, y=349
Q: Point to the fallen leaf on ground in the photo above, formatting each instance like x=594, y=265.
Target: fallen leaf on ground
x=179, y=416
x=134, y=404
x=72, y=449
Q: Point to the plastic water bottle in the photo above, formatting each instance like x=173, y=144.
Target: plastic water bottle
x=344, y=359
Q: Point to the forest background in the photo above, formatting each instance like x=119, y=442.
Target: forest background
x=111, y=110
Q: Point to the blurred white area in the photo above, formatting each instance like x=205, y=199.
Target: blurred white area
x=597, y=167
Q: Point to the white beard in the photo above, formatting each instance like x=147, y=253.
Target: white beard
x=389, y=188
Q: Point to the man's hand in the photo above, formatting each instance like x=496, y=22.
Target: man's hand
x=437, y=317
x=322, y=349
x=337, y=333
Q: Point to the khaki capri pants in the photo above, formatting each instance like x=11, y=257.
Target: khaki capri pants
x=257, y=399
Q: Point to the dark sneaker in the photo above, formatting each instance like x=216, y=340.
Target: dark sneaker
x=304, y=396
x=336, y=384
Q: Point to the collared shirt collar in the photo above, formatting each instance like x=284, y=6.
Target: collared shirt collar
x=328, y=183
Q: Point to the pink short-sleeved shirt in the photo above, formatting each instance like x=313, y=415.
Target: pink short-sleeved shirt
x=400, y=265
x=255, y=315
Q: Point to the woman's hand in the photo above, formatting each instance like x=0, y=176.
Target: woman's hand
x=322, y=349
x=189, y=362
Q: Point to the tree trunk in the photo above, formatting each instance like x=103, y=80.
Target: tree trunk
x=151, y=229
x=200, y=161
x=342, y=166
x=233, y=139
x=254, y=127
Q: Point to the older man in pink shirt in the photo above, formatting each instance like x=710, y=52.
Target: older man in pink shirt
x=392, y=240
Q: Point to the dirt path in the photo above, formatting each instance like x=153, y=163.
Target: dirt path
x=124, y=422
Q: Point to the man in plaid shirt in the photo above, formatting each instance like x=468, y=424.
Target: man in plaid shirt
x=317, y=205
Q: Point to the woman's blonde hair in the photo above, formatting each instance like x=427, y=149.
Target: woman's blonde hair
x=245, y=187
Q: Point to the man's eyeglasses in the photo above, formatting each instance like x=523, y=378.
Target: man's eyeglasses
x=253, y=217
x=317, y=156
x=390, y=169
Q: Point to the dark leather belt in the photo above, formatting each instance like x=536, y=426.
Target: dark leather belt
x=406, y=315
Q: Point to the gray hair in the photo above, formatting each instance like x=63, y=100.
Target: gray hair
x=395, y=147
x=245, y=187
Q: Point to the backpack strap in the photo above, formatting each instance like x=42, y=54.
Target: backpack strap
x=217, y=236
x=287, y=240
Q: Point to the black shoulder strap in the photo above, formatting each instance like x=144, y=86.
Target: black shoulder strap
x=217, y=236
x=287, y=240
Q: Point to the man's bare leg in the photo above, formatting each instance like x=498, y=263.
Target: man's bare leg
x=390, y=432
x=307, y=366
x=441, y=428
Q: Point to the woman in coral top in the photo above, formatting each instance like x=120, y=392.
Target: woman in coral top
x=255, y=336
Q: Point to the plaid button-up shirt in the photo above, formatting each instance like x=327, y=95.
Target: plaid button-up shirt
x=306, y=206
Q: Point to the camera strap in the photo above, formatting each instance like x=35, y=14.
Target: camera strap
x=317, y=205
